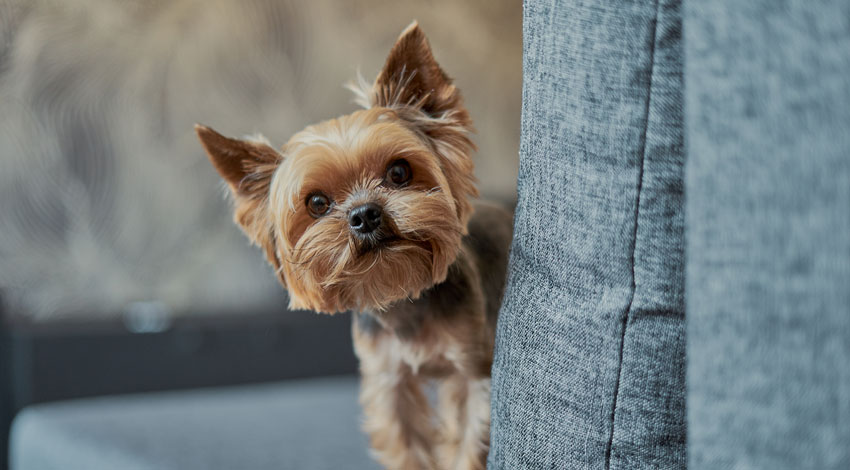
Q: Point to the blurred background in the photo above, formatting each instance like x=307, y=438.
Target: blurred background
x=120, y=268
x=105, y=194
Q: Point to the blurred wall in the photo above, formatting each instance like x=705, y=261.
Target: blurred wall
x=106, y=197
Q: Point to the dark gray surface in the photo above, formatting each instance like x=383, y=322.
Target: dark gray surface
x=590, y=361
x=768, y=223
x=307, y=424
x=62, y=360
x=52, y=361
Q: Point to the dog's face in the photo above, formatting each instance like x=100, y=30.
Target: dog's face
x=368, y=208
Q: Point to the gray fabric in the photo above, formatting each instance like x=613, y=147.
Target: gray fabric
x=768, y=223
x=311, y=424
x=589, y=366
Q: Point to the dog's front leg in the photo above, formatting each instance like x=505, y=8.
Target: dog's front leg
x=397, y=414
x=397, y=420
x=465, y=413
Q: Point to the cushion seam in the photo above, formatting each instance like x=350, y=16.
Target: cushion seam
x=642, y=159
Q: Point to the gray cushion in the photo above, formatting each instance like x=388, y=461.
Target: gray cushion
x=589, y=368
x=307, y=424
x=768, y=233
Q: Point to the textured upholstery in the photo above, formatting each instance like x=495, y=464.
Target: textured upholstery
x=768, y=223
x=299, y=425
x=590, y=360
x=615, y=212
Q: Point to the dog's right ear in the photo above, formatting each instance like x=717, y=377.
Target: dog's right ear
x=247, y=166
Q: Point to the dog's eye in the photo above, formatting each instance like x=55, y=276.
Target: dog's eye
x=399, y=173
x=318, y=204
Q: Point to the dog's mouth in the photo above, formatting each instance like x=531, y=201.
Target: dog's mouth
x=374, y=242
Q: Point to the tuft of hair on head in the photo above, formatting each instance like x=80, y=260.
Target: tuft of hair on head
x=361, y=89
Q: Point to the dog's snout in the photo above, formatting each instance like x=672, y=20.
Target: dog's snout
x=365, y=218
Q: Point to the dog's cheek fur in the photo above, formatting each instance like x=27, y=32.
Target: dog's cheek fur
x=428, y=218
x=251, y=215
x=310, y=259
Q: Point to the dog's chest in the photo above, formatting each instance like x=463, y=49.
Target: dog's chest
x=434, y=357
x=419, y=341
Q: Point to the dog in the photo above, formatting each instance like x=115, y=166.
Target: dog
x=373, y=213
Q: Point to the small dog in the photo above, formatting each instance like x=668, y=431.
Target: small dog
x=371, y=212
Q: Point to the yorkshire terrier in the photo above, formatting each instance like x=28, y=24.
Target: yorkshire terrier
x=371, y=212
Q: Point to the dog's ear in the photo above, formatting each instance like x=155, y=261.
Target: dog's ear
x=247, y=166
x=411, y=76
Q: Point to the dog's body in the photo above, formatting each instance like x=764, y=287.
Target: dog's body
x=371, y=212
x=446, y=334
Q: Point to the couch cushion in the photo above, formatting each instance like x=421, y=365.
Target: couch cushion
x=589, y=370
x=307, y=424
x=768, y=217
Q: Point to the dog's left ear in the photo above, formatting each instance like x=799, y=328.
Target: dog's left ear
x=247, y=166
x=412, y=77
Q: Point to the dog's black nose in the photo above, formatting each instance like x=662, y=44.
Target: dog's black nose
x=365, y=218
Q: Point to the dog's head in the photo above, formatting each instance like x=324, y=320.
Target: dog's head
x=360, y=211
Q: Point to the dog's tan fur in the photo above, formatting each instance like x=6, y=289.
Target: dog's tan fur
x=426, y=294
